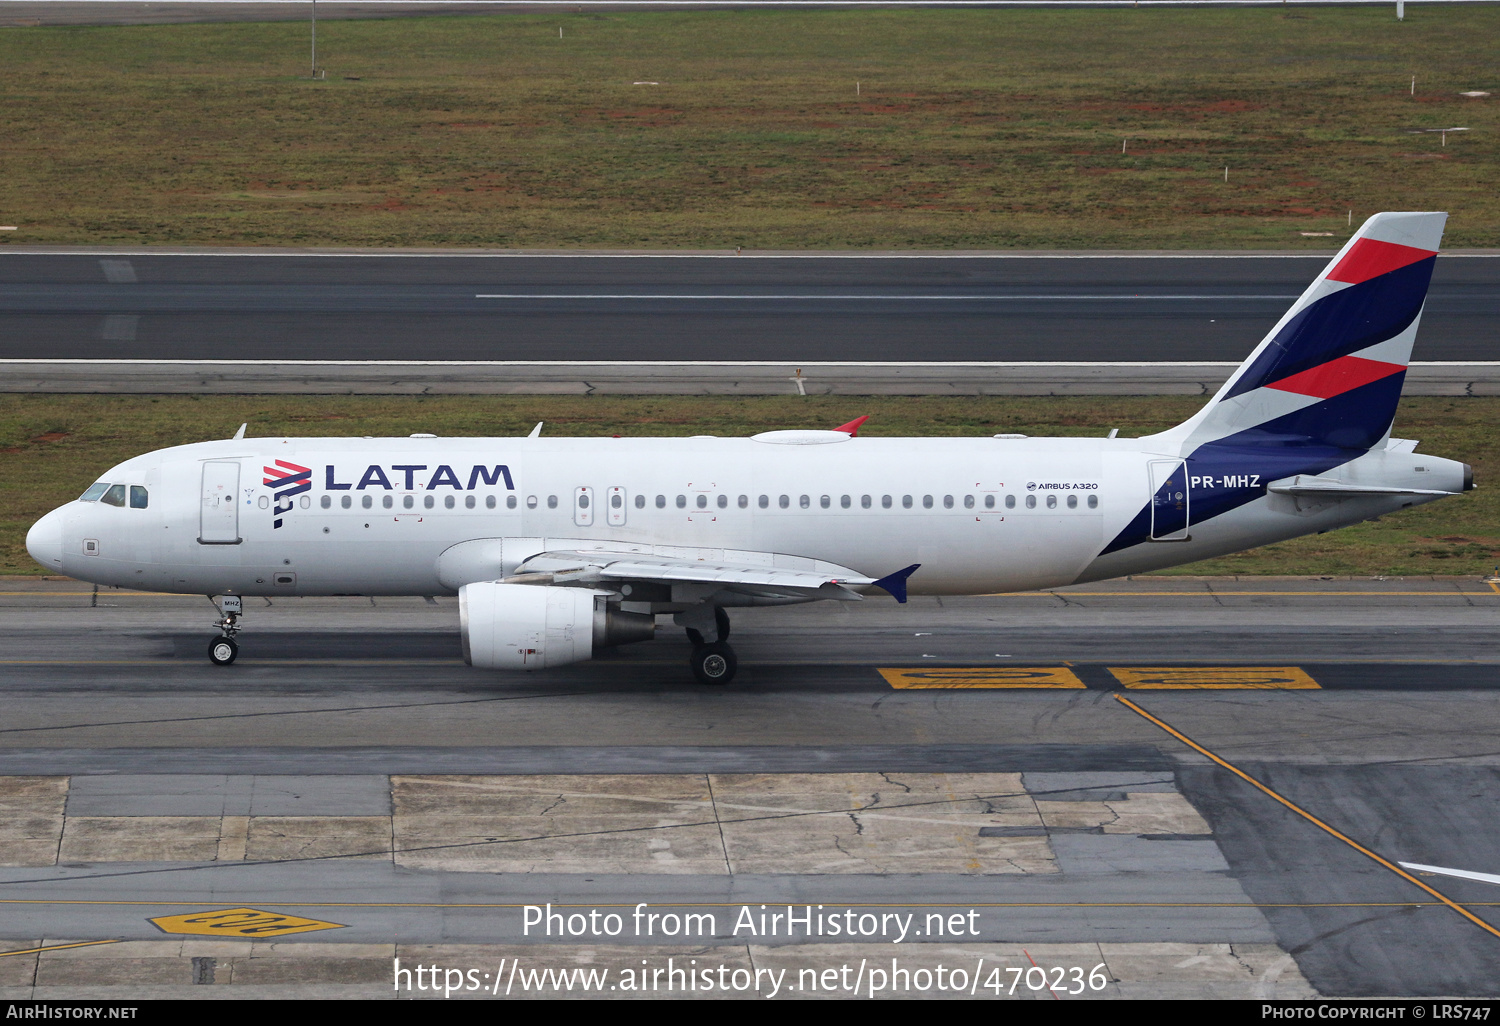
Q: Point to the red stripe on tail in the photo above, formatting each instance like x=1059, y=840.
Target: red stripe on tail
x=1337, y=377
x=1371, y=258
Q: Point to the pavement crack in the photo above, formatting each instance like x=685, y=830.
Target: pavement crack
x=859, y=828
x=718, y=822
x=894, y=783
x=561, y=799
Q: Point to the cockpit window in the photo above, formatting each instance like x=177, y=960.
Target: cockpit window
x=96, y=489
x=138, y=497
x=115, y=496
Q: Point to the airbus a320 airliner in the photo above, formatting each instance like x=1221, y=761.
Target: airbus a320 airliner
x=557, y=547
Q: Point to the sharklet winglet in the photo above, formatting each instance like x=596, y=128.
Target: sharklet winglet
x=896, y=583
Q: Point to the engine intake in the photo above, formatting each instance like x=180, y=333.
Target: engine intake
x=532, y=627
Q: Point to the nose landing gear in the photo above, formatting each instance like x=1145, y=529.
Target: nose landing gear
x=223, y=649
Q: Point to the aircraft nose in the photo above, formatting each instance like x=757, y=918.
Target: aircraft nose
x=45, y=540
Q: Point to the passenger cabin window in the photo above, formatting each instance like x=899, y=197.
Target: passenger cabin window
x=428, y=501
x=640, y=502
x=366, y=501
x=682, y=502
x=531, y=502
x=1051, y=502
x=661, y=502
x=804, y=501
x=1010, y=502
x=844, y=502
x=265, y=502
x=1093, y=502
x=764, y=502
x=388, y=502
x=489, y=502
x=407, y=502
x=825, y=502
x=926, y=502
x=114, y=497
x=906, y=502
x=551, y=502
x=784, y=501
x=1072, y=502
x=864, y=502
x=723, y=502
x=989, y=502
x=616, y=501
x=95, y=491
x=744, y=502
x=947, y=502
x=468, y=502
x=885, y=502
x=1031, y=502
x=449, y=502
x=703, y=501
x=326, y=502
x=139, y=499
x=346, y=502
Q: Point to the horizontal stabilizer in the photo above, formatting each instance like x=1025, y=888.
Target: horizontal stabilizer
x=1305, y=485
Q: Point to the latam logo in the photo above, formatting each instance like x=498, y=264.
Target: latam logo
x=442, y=476
x=289, y=480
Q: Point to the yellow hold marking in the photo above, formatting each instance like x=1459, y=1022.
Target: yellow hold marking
x=981, y=677
x=240, y=922
x=1270, y=678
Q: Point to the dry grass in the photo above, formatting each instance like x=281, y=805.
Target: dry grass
x=979, y=128
x=52, y=447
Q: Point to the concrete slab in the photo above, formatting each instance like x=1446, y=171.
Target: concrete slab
x=139, y=839
x=877, y=823
x=1150, y=813
x=200, y=794
x=1124, y=853
x=318, y=837
x=605, y=823
x=31, y=819
x=1095, y=786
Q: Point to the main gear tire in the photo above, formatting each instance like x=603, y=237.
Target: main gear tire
x=714, y=664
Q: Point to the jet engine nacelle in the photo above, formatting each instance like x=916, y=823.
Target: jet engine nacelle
x=532, y=627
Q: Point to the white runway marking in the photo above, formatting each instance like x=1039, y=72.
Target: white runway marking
x=1462, y=874
x=841, y=296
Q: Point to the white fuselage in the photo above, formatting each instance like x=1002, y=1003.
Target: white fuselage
x=957, y=506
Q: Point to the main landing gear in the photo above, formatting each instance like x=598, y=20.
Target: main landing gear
x=713, y=662
x=223, y=649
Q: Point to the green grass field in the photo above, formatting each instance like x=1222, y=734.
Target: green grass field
x=52, y=447
x=978, y=129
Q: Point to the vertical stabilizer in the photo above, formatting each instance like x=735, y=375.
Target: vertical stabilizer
x=1330, y=372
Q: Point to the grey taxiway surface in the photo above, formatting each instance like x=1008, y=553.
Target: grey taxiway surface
x=333, y=698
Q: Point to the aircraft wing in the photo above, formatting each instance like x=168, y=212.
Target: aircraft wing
x=754, y=573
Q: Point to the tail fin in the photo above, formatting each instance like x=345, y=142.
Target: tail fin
x=1330, y=372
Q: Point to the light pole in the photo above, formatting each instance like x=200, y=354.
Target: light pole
x=314, y=72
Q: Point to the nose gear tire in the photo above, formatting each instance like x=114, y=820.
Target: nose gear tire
x=714, y=664
x=222, y=651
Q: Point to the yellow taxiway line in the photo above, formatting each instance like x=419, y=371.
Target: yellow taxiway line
x=57, y=947
x=1195, y=746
